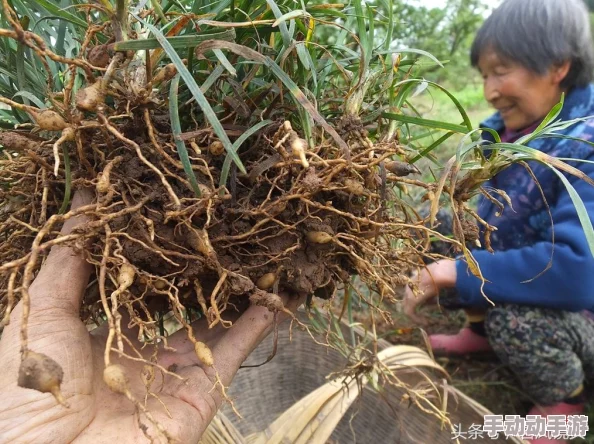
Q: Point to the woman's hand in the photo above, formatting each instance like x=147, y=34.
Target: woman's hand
x=95, y=413
x=431, y=279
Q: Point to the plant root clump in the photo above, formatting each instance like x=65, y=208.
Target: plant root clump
x=205, y=239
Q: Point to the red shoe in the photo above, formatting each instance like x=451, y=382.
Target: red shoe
x=464, y=342
x=561, y=408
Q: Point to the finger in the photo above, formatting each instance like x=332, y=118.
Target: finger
x=62, y=279
x=247, y=333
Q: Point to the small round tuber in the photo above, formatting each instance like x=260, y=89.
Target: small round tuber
x=201, y=243
x=299, y=147
x=49, y=120
x=116, y=379
x=354, y=187
x=102, y=183
x=266, y=281
x=126, y=276
x=89, y=98
x=40, y=372
x=100, y=55
x=204, y=353
x=318, y=237
x=401, y=169
x=166, y=73
x=216, y=148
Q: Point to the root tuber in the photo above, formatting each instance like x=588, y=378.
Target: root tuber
x=40, y=372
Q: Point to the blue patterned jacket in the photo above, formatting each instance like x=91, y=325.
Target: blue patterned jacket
x=523, y=241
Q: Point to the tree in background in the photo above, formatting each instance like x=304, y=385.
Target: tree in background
x=448, y=34
x=444, y=32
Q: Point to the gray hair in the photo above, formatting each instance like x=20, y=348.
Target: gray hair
x=539, y=34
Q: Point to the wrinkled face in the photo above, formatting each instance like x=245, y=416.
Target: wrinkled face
x=520, y=95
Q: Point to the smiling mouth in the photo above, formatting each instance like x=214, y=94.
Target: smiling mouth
x=505, y=110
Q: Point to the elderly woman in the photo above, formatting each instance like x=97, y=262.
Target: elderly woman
x=530, y=53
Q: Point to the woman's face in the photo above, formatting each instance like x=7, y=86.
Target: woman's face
x=520, y=95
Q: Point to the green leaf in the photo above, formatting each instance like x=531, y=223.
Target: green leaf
x=176, y=131
x=390, y=24
x=282, y=26
x=212, y=78
x=158, y=10
x=303, y=57
x=426, y=122
x=582, y=212
x=552, y=115
x=290, y=16
x=546, y=159
x=297, y=94
x=414, y=51
x=362, y=32
x=60, y=40
x=209, y=114
x=236, y=145
x=177, y=42
x=431, y=147
x=450, y=95
x=63, y=14
x=67, y=179
x=31, y=97
x=225, y=62
x=20, y=68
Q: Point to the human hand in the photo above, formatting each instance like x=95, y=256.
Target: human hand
x=95, y=413
x=431, y=279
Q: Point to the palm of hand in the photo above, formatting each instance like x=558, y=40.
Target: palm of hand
x=95, y=413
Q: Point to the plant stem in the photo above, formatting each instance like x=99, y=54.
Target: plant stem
x=121, y=20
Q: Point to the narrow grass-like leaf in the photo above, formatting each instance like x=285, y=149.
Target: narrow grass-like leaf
x=290, y=16
x=562, y=136
x=362, y=33
x=297, y=94
x=212, y=78
x=63, y=14
x=301, y=53
x=67, y=180
x=450, y=95
x=552, y=115
x=209, y=114
x=20, y=68
x=426, y=122
x=236, y=145
x=422, y=135
x=225, y=62
x=61, y=39
x=178, y=42
x=176, y=132
x=158, y=10
x=390, y=24
x=413, y=51
x=371, y=30
x=282, y=26
x=31, y=97
x=431, y=147
x=580, y=208
x=550, y=161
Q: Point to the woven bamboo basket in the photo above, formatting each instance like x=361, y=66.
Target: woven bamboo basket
x=292, y=400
